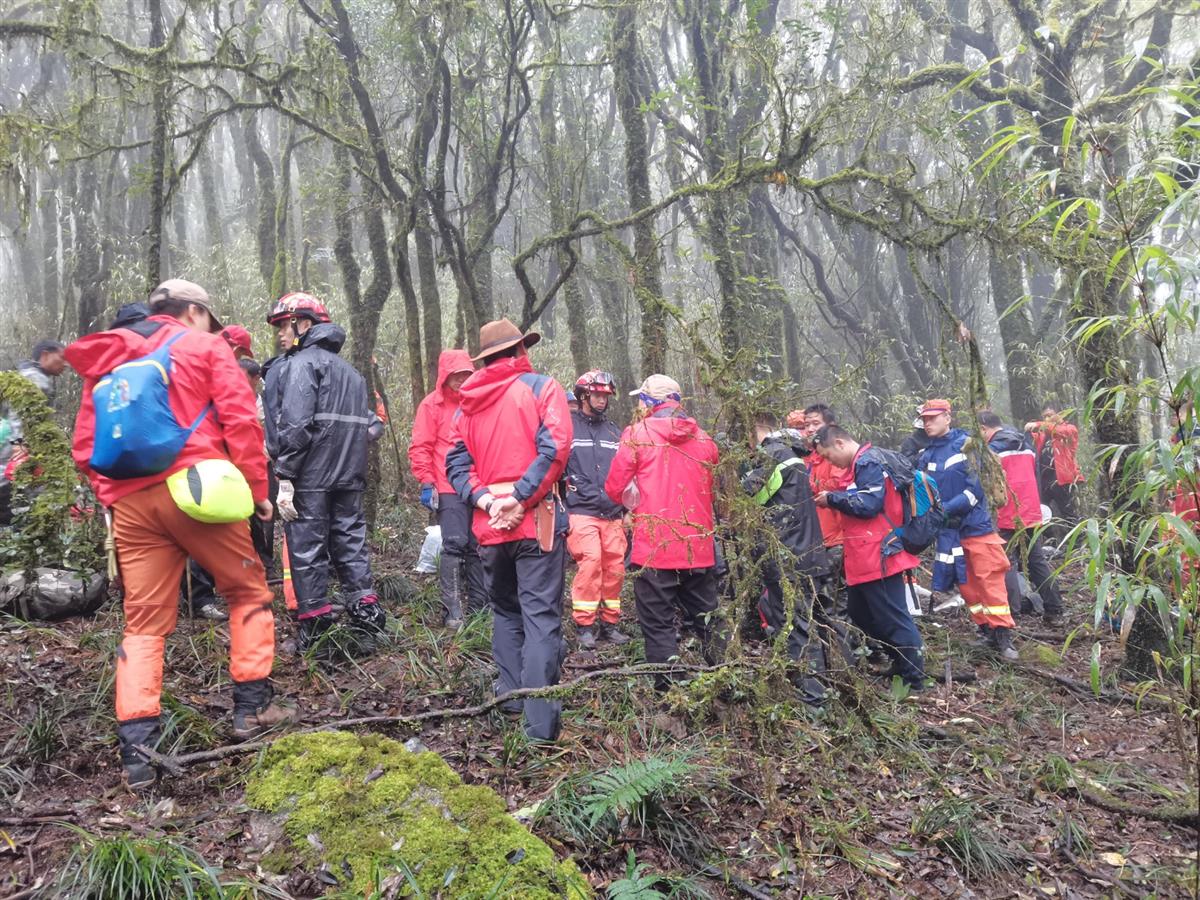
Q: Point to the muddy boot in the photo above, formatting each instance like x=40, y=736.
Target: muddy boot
x=587, y=637
x=255, y=712
x=138, y=775
x=613, y=635
x=1004, y=644
x=983, y=639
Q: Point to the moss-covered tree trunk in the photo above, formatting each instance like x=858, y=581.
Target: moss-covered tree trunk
x=158, y=153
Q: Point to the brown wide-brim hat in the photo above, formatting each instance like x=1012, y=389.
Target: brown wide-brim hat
x=500, y=335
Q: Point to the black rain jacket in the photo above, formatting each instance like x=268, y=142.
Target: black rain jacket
x=782, y=487
x=317, y=407
x=593, y=446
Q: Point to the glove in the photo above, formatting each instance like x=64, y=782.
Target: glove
x=284, y=502
x=429, y=497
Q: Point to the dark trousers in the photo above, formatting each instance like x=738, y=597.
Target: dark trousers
x=460, y=571
x=526, y=588
x=198, y=585
x=1061, y=500
x=881, y=611
x=1037, y=567
x=330, y=533
x=693, y=592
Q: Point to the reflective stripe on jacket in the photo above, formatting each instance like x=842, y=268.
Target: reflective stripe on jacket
x=594, y=443
x=964, y=500
x=871, y=509
x=1019, y=460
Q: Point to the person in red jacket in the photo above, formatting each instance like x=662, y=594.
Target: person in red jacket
x=822, y=474
x=1058, y=469
x=154, y=537
x=874, y=561
x=460, y=572
x=1017, y=519
x=663, y=472
x=511, y=440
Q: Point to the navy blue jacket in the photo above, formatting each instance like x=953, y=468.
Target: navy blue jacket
x=593, y=446
x=965, y=502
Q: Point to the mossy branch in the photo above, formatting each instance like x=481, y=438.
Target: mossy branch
x=176, y=764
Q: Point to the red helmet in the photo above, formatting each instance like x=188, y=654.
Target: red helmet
x=298, y=305
x=595, y=382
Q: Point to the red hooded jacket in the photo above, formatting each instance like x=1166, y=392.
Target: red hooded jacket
x=825, y=476
x=433, y=425
x=512, y=425
x=203, y=370
x=672, y=459
x=1064, y=441
x=1020, y=472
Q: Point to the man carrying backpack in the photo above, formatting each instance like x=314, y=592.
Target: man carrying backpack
x=781, y=486
x=1018, y=518
x=209, y=416
x=319, y=420
x=969, y=552
x=1057, y=441
x=875, y=560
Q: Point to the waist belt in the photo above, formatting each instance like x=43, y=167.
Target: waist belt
x=543, y=512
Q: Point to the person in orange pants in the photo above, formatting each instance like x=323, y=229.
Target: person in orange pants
x=203, y=385
x=597, y=536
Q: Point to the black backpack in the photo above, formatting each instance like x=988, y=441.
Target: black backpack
x=924, y=515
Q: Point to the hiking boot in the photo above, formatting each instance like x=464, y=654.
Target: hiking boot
x=1053, y=620
x=212, y=612
x=613, y=635
x=983, y=640
x=139, y=775
x=1004, y=644
x=454, y=624
x=587, y=637
x=255, y=711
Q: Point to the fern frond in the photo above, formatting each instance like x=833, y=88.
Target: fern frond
x=625, y=789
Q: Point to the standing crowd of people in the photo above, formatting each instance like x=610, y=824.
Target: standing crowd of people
x=195, y=448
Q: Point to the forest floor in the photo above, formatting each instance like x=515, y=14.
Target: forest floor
x=994, y=786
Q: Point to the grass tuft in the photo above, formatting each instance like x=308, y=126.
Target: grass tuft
x=955, y=825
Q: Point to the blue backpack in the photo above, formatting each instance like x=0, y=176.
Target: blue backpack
x=135, y=430
x=923, y=512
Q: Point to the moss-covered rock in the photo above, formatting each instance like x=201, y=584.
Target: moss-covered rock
x=367, y=802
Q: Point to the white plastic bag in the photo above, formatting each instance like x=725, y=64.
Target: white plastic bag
x=431, y=549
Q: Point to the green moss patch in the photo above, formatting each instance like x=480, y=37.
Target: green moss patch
x=367, y=807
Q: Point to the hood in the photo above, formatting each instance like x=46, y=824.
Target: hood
x=326, y=335
x=450, y=362
x=1007, y=439
x=487, y=385
x=670, y=422
x=100, y=353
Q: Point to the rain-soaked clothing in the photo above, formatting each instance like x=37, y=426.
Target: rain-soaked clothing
x=320, y=416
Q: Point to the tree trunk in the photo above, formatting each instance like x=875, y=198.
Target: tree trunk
x=267, y=202
x=1016, y=332
x=158, y=154
x=50, y=214
x=647, y=274
x=214, y=231
x=87, y=269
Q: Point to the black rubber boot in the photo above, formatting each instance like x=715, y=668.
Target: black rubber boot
x=312, y=634
x=613, y=635
x=587, y=637
x=1004, y=644
x=451, y=584
x=139, y=775
x=255, y=711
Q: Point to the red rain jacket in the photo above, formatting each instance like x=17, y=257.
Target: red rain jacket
x=1064, y=441
x=863, y=534
x=672, y=459
x=512, y=425
x=203, y=369
x=1019, y=461
x=825, y=476
x=433, y=425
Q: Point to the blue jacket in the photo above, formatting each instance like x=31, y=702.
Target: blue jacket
x=593, y=446
x=963, y=497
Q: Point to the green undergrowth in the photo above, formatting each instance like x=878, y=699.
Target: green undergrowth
x=372, y=806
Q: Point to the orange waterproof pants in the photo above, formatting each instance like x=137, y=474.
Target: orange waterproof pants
x=598, y=547
x=984, y=590
x=154, y=538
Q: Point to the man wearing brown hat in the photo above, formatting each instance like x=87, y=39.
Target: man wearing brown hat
x=512, y=438
x=670, y=459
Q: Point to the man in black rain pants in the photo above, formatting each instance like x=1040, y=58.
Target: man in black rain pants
x=318, y=419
